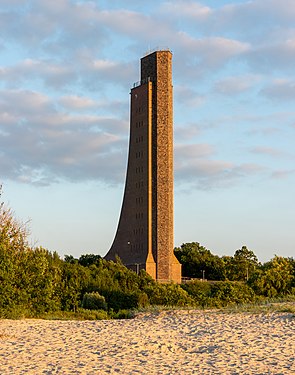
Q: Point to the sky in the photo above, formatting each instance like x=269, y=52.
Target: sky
x=66, y=70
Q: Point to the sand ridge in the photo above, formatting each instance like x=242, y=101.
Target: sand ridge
x=169, y=342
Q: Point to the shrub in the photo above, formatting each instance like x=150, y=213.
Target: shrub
x=168, y=295
x=226, y=293
x=275, y=278
x=84, y=314
x=122, y=314
x=119, y=300
x=143, y=300
x=199, y=291
x=219, y=294
x=94, y=301
x=80, y=314
x=16, y=312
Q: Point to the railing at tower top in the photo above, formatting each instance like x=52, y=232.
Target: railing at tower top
x=142, y=82
x=159, y=48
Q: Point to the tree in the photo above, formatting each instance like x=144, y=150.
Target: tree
x=70, y=259
x=39, y=279
x=197, y=262
x=88, y=259
x=94, y=301
x=13, y=234
x=75, y=282
x=13, y=244
x=244, y=264
x=274, y=278
x=229, y=267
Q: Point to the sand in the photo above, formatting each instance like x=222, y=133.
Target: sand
x=169, y=342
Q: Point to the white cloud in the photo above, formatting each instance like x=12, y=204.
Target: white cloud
x=236, y=84
x=186, y=151
x=12, y=3
x=109, y=72
x=77, y=103
x=253, y=18
x=39, y=144
x=188, y=97
x=41, y=23
x=131, y=23
x=68, y=59
x=55, y=75
x=283, y=173
x=269, y=151
x=272, y=57
x=91, y=74
x=281, y=89
x=213, y=50
x=189, y=9
x=204, y=173
x=195, y=165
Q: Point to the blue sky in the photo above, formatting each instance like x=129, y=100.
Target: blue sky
x=66, y=69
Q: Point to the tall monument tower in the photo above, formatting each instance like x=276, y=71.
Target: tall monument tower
x=144, y=238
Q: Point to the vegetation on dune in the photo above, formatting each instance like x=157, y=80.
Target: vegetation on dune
x=35, y=282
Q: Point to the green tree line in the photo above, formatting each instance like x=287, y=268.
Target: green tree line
x=274, y=278
x=35, y=282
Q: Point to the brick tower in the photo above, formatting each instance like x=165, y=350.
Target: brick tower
x=144, y=238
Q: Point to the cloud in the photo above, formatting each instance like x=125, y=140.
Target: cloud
x=185, y=151
x=210, y=52
x=195, y=166
x=131, y=23
x=210, y=174
x=227, y=33
x=188, y=9
x=68, y=66
x=252, y=18
x=12, y=3
x=280, y=89
x=270, y=151
x=104, y=71
x=88, y=31
x=77, y=103
x=270, y=57
x=236, y=84
x=270, y=10
x=188, y=96
x=54, y=75
x=41, y=145
x=187, y=132
x=105, y=107
x=90, y=74
x=283, y=173
x=44, y=26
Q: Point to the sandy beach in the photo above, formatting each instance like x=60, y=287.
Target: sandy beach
x=169, y=342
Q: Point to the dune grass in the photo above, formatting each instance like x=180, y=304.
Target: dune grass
x=266, y=307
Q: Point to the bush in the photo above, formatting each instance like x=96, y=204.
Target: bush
x=219, y=294
x=275, y=278
x=122, y=314
x=168, y=295
x=16, y=312
x=119, y=300
x=84, y=314
x=143, y=300
x=199, y=291
x=80, y=314
x=227, y=293
x=94, y=301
